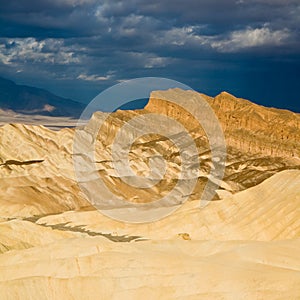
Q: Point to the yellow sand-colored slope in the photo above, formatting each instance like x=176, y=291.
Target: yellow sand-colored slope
x=229, y=252
x=243, y=245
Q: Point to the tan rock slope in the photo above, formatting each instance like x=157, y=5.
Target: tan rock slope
x=36, y=164
x=248, y=127
x=260, y=140
x=215, y=262
x=268, y=211
x=95, y=268
x=243, y=245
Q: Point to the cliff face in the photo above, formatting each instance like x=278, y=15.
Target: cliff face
x=55, y=245
x=36, y=164
x=260, y=141
x=249, y=128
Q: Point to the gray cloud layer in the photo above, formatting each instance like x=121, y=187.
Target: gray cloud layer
x=98, y=43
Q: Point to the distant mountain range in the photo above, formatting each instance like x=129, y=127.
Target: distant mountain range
x=30, y=100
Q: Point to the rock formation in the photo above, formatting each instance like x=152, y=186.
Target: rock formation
x=55, y=245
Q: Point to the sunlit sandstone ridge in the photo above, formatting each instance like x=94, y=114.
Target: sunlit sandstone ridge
x=37, y=175
x=248, y=127
x=244, y=245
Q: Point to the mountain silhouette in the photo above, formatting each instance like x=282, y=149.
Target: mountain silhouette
x=31, y=100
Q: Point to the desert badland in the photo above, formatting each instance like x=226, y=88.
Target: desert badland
x=244, y=244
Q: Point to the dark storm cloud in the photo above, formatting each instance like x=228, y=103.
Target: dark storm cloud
x=93, y=17
x=210, y=44
x=44, y=18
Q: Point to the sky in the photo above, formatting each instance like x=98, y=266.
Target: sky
x=78, y=48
